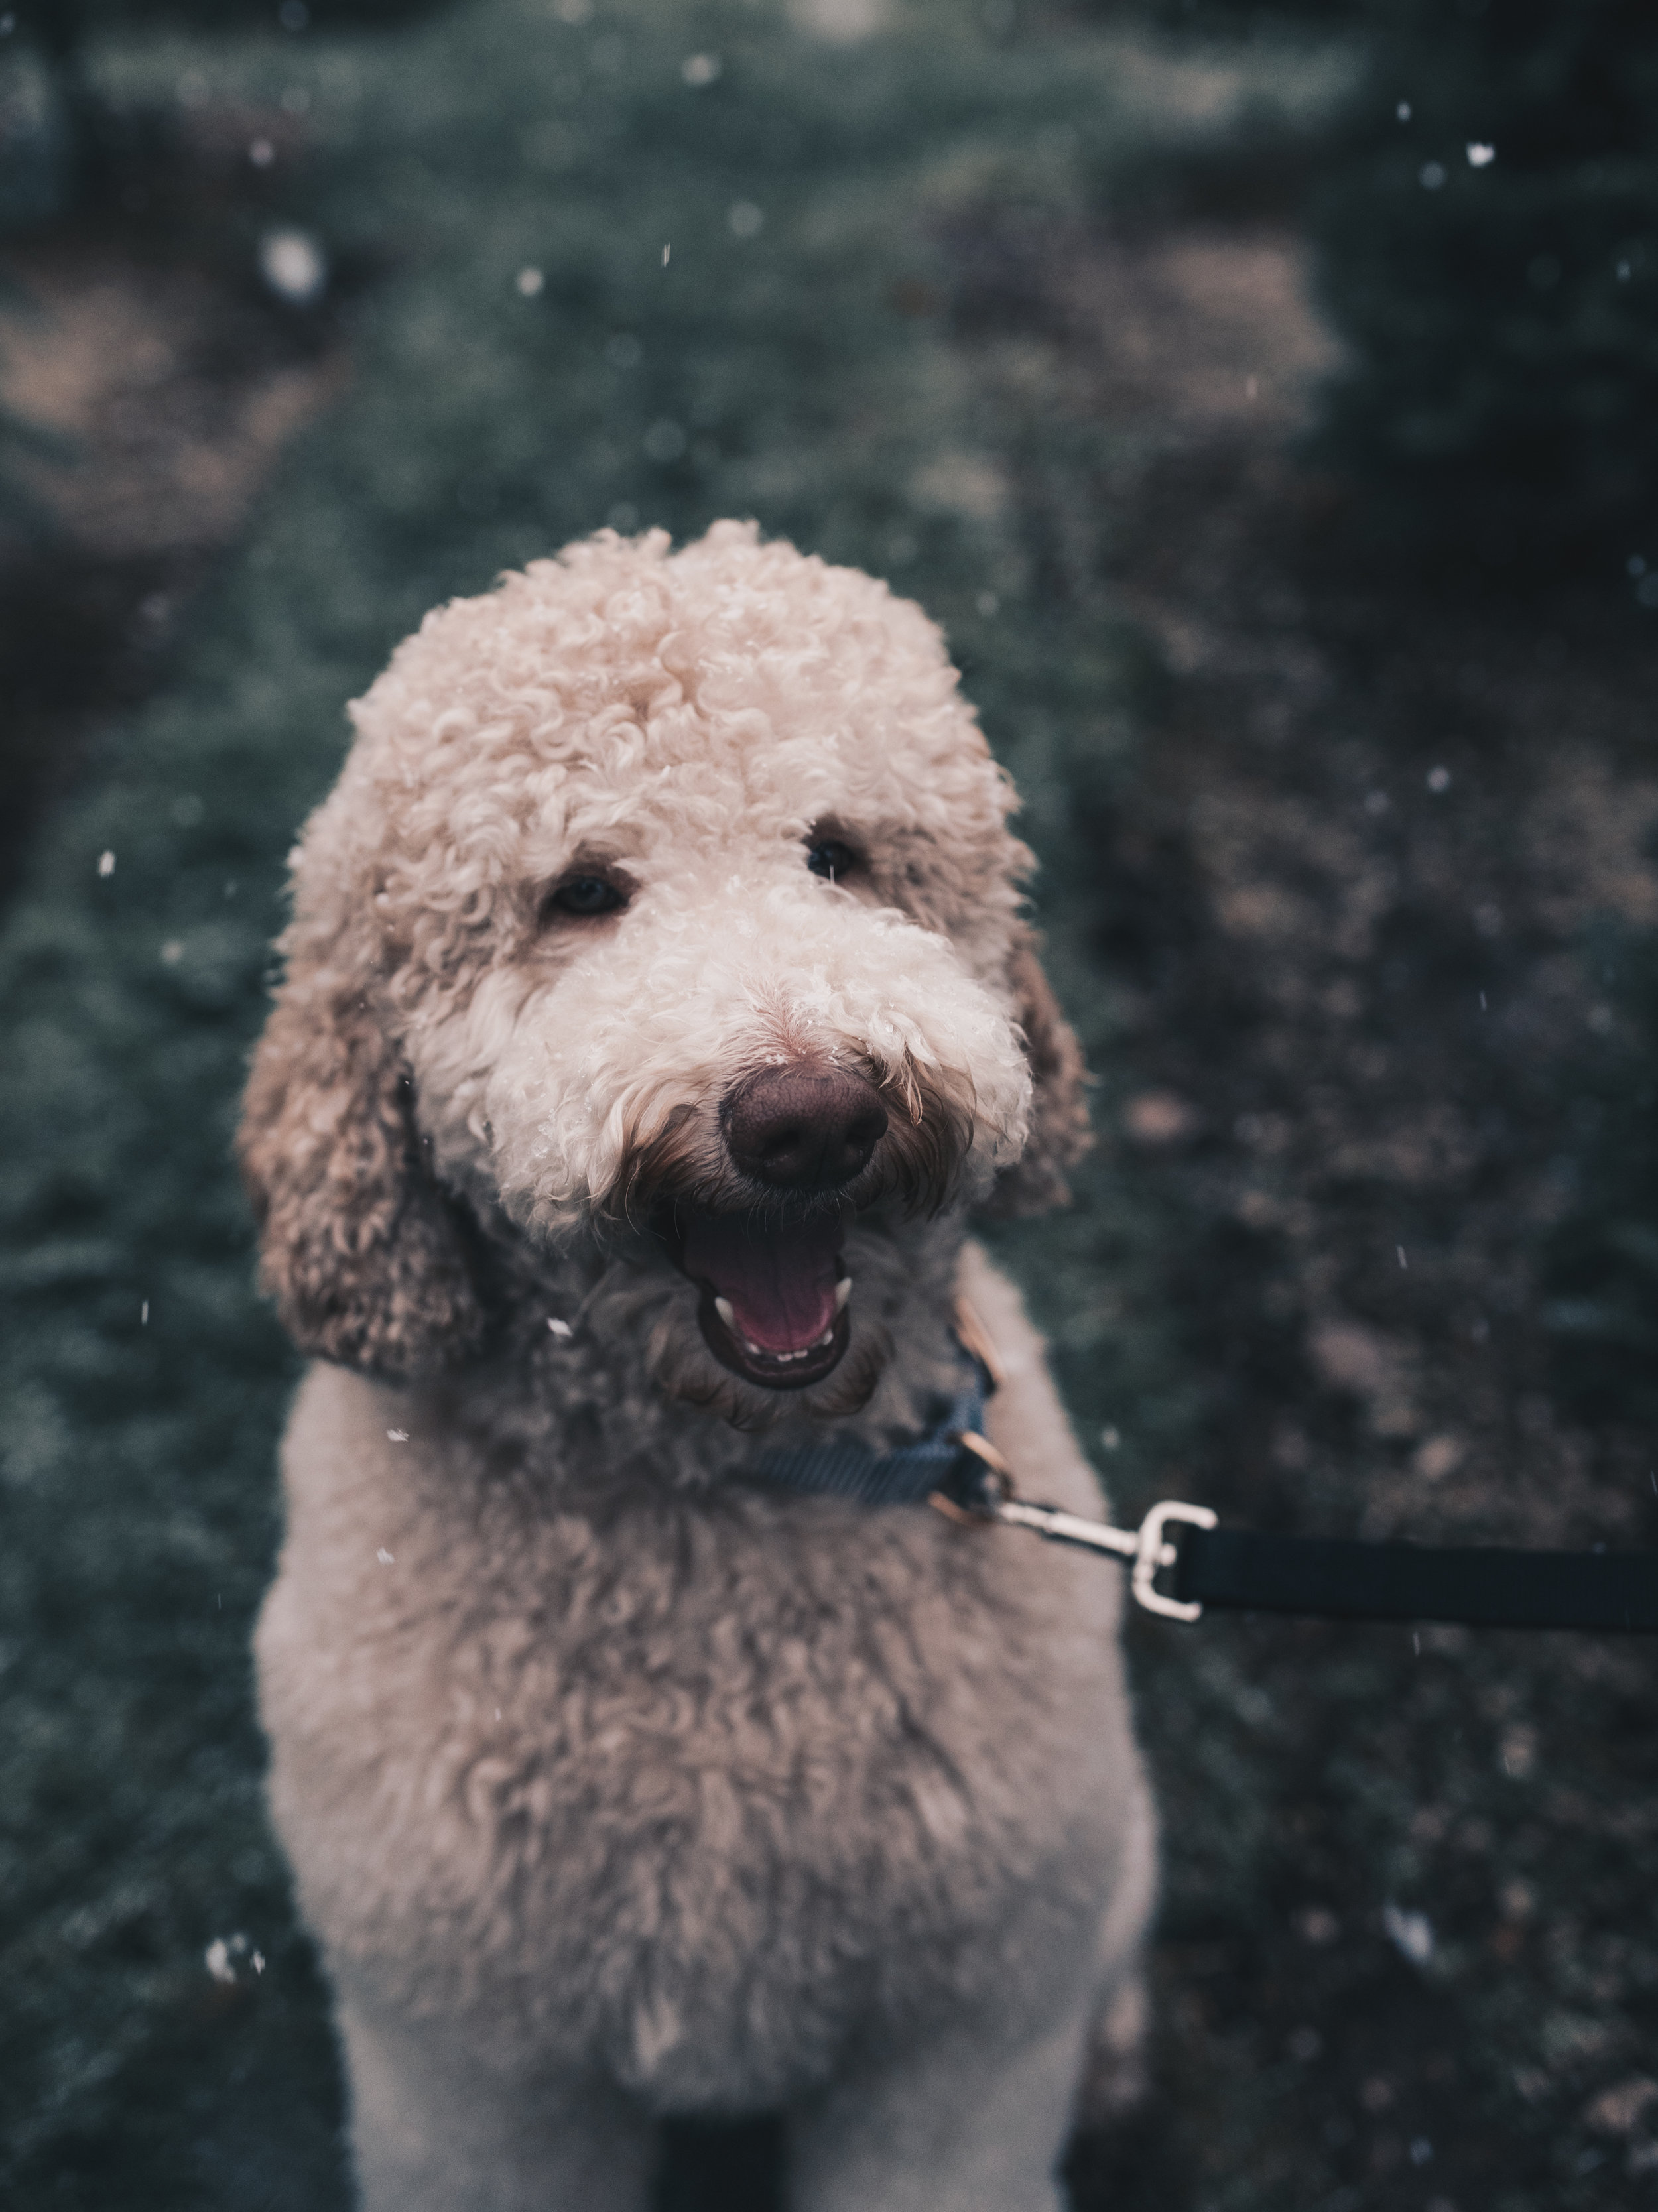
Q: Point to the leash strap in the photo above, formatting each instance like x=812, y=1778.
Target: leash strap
x=956, y=1469
x=1236, y=1569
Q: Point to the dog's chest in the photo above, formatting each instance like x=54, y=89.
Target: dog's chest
x=690, y=1786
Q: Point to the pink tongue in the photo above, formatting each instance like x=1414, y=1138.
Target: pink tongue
x=779, y=1277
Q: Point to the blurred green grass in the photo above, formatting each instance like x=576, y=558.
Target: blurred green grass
x=495, y=192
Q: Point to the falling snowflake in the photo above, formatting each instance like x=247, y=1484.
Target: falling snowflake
x=293, y=266
x=1411, y=1933
x=221, y=1955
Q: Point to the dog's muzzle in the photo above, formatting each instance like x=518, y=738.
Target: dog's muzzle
x=775, y=1291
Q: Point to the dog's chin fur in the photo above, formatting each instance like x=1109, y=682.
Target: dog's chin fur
x=624, y=1309
x=685, y=1369
x=680, y=1363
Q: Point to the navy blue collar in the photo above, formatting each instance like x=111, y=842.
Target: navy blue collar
x=846, y=1468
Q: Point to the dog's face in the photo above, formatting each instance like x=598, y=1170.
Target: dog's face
x=667, y=903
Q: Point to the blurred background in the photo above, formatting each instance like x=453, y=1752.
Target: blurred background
x=1267, y=405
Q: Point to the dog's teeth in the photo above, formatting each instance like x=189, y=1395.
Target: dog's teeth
x=723, y=1308
x=828, y=1337
x=842, y=1292
x=753, y=1349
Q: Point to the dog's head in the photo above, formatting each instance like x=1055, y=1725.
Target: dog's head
x=666, y=906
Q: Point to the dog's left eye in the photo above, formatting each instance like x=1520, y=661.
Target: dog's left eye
x=829, y=857
x=584, y=894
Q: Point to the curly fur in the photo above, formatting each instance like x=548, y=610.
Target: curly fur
x=615, y=1782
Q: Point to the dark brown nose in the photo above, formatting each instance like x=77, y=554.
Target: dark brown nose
x=803, y=1128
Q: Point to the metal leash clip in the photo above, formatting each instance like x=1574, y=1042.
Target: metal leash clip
x=983, y=1495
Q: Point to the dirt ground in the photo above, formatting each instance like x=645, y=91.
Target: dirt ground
x=1354, y=891
x=1351, y=891
x=161, y=387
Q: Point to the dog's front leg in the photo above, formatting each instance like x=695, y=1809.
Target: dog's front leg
x=434, y=2129
x=960, y=2123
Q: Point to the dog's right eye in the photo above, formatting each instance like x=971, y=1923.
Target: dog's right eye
x=583, y=895
x=829, y=858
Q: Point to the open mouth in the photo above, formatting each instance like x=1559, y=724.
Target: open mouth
x=774, y=1294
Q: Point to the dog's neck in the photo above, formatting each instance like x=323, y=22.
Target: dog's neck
x=597, y=1363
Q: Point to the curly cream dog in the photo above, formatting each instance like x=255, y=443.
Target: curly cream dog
x=657, y=1003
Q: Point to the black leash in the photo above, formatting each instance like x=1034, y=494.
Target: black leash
x=953, y=1466
x=1236, y=1569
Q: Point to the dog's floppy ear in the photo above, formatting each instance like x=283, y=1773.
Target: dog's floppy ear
x=1059, y=1131
x=364, y=1255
